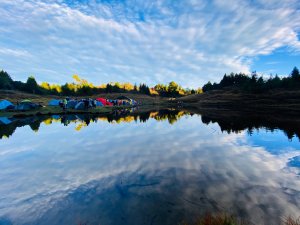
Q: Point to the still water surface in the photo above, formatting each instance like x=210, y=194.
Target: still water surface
x=161, y=170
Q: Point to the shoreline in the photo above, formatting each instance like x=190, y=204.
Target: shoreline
x=104, y=110
x=56, y=110
x=277, y=103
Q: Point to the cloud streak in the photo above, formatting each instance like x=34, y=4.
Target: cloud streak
x=149, y=41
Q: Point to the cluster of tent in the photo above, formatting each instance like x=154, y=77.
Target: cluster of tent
x=90, y=103
x=23, y=105
x=68, y=103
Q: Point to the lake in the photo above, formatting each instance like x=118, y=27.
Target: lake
x=159, y=167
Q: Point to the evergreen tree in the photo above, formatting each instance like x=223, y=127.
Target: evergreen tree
x=108, y=88
x=32, y=86
x=5, y=80
x=135, y=88
x=295, y=74
x=207, y=87
x=144, y=89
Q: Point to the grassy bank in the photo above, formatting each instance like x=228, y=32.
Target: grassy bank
x=146, y=102
x=230, y=98
x=56, y=110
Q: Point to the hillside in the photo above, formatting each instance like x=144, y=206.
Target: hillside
x=232, y=98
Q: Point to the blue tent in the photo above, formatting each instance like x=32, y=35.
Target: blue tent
x=54, y=102
x=5, y=120
x=99, y=103
x=71, y=104
x=27, y=106
x=56, y=117
x=80, y=105
x=4, y=104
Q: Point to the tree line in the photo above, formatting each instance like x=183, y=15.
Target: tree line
x=255, y=83
x=81, y=87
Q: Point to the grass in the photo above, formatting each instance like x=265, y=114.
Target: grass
x=218, y=219
x=223, y=219
x=279, y=99
x=291, y=221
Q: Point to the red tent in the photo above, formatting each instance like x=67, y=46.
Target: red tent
x=104, y=101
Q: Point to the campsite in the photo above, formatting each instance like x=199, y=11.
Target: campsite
x=66, y=105
x=149, y=112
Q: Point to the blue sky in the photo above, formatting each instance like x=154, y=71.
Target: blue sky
x=152, y=41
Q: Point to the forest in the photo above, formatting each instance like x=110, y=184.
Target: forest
x=81, y=87
x=255, y=83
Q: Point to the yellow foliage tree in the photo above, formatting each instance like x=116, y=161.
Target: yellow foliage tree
x=45, y=85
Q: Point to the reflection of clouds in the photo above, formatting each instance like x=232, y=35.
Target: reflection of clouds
x=186, y=158
x=276, y=144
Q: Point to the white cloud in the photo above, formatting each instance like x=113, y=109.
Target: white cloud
x=14, y=52
x=149, y=41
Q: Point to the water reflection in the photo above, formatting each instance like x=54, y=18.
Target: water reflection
x=82, y=120
x=131, y=169
x=228, y=121
x=238, y=121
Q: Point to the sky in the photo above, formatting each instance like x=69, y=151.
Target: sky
x=148, y=41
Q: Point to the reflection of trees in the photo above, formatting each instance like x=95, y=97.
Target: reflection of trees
x=7, y=130
x=35, y=125
x=235, y=123
x=144, y=116
x=227, y=121
x=83, y=120
x=80, y=126
x=125, y=116
x=171, y=115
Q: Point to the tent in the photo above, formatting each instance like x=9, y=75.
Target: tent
x=4, y=104
x=56, y=117
x=128, y=100
x=79, y=105
x=69, y=118
x=99, y=103
x=26, y=106
x=25, y=100
x=90, y=103
x=80, y=117
x=54, y=102
x=134, y=102
x=71, y=104
x=5, y=120
x=104, y=101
